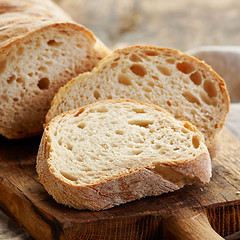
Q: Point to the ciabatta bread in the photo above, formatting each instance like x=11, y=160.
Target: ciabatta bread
x=186, y=87
x=115, y=151
x=41, y=49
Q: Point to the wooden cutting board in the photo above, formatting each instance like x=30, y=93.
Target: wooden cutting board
x=178, y=215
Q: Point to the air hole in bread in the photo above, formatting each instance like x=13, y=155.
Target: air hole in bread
x=210, y=88
x=216, y=126
x=68, y=176
x=3, y=65
x=114, y=64
x=169, y=104
x=82, y=125
x=114, y=145
x=151, y=83
x=191, y=98
x=157, y=146
x=150, y=53
x=130, y=145
x=140, y=122
x=101, y=109
x=20, y=51
x=49, y=63
x=105, y=146
x=5, y=98
x=69, y=147
x=188, y=126
x=195, y=141
x=15, y=99
x=42, y=68
x=184, y=130
x=109, y=96
x=139, y=83
x=123, y=79
x=30, y=74
x=116, y=59
x=138, y=70
x=90, y=174
x=78, y=112
x=60, y=141
x=146, y=89
x=196, y=78
x=205, y=98
x=119, y=132
x=106, y=169
x=53, y=43
x=136, y=151
x=135, y=58
x=164, y=70
x=185, y=67
x=138, y=110
x=96, y=94
x=11, y=79
x=36, y=92
x=176, y=149
x=43, y=83
x=147, y=96
x=20, y=80
x=138, y=140
x=170, y=60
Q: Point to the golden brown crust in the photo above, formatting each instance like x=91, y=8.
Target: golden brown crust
x=140, y=183
x=20, y=18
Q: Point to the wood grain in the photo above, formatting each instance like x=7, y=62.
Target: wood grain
x=26, y=201
x=189, y=226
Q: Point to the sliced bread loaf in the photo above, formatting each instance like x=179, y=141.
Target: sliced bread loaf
x=41, y=49
x=115, y=151
x=186, y=87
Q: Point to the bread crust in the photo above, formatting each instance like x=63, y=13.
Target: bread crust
x=21, y=18
x=20, y=22
x=148, y=181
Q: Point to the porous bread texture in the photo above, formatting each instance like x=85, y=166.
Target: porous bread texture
x=115, y=151
x=41, y=54
x=186, y=87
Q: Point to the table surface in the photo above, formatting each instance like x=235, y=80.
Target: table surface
x=181, y=24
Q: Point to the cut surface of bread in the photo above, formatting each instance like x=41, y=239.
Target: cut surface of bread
x=43, y=50
x=115, y=151
x=186, y=87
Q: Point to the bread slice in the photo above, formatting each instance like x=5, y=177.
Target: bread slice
x=186, y=87
x=41, y=49
x=115, y=151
